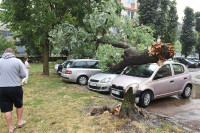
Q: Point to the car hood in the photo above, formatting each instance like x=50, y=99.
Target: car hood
x=101, y=76
x=125, y=80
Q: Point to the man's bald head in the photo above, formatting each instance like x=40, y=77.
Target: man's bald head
x=10, y=50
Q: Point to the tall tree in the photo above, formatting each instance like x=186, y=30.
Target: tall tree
x=160, y=15
x=170, y=35
x=187, y=37
x=197, y=18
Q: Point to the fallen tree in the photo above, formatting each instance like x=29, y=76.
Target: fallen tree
x=132, y=45
x=158, y=53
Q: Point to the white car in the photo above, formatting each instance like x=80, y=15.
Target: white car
x=102, y=81
x=56, y=67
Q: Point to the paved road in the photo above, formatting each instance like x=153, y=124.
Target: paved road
x=185, y=111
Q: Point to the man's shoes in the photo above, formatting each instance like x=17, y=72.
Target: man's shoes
x=23, y=123
x=14, y=128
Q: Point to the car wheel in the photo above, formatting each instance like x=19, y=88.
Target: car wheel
x=187, y=92
x=82, y=80
x=145, y=99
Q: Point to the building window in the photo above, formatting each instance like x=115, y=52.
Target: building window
x=131, y=14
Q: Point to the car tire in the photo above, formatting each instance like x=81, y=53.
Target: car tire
x=145, y=99
x=82, y=80
x=187, y=91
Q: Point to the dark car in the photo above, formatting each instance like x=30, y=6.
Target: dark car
x=187, y=62
x=196, y=60
x=58, y=67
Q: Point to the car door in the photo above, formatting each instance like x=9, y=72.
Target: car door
x=163, y=81
x=180, y=78
x=93, y=68
x=78, y=68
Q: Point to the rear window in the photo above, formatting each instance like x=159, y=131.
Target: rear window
x=178, y=69
x=93, y=64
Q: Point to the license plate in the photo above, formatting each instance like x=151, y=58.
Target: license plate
x=93, y=84
x=115, y=92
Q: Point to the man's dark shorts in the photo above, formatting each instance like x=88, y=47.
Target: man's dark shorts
x=10, y=96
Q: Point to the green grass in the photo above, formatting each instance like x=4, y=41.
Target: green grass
x=54, y=106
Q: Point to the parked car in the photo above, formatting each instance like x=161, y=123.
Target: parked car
x=187, y=62
x=102, y=81
x=58, y=67
x=197, y=61
x=150, y=82
x=80, y=70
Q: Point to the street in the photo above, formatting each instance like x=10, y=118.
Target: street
x=184, y=111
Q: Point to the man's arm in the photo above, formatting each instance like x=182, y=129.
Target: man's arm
x=22, y=71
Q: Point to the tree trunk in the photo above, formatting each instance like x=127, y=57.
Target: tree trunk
x=128, y=107
x=46, y=58
x=158, y=53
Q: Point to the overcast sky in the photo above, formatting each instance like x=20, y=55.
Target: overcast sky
x=181, y=4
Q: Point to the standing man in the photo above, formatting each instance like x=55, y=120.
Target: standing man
x=11, y=70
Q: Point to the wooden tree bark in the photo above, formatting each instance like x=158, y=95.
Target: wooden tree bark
x=46, y=58
x=157, y=53
x=128, y=105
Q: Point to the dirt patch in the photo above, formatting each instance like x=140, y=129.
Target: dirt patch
x=139, y=123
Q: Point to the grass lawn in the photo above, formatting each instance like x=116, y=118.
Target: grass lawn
x=54, y=106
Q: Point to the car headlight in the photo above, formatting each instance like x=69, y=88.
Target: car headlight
x=134, y=86
x=105, y=80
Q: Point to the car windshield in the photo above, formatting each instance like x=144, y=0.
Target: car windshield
x=189, y=60
x=145, y=70
x=67, y=64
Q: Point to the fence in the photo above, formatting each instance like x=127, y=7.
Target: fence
x=39, y=59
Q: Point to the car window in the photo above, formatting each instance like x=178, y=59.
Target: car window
x=67, y=64
x=145, y=70
x=93, y=64
x=178, y=69
x=164, y=71
x=80, y=64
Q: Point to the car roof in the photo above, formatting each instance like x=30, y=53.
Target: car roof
x=83, y=60
x=172, y=62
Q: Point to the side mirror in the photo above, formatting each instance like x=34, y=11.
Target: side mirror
x=158, y=76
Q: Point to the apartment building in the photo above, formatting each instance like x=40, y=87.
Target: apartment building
x=131, y=8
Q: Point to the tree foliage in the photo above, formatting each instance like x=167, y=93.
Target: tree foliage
x=33, y=19
x=160, y=15
x=187, y=37
x=86, y=40
x=4, y=43
x=197, y=18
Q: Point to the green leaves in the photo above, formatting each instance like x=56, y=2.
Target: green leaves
x=108, y=56
x=4, y=43
x=161, y=16
x=187, y=37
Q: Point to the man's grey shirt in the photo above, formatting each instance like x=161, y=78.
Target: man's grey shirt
x=11, y=70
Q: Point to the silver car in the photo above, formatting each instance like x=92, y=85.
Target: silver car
x=149, y=82
x=102, y=81
x=80, y=70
